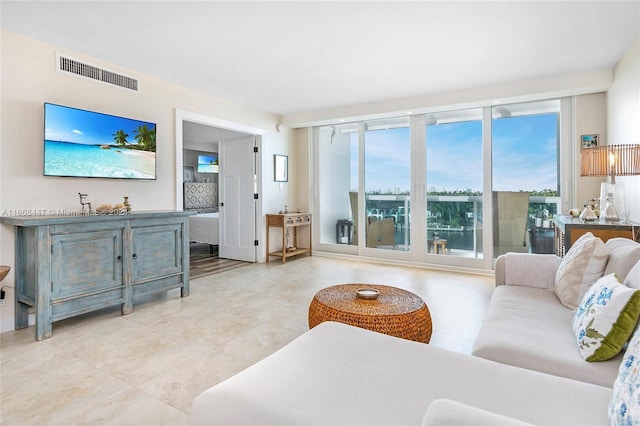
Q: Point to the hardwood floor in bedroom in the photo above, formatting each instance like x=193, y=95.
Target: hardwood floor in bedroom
x=204, y=261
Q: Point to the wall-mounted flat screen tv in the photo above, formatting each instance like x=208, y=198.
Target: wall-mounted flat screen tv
x=84, y=143
x=207, y=164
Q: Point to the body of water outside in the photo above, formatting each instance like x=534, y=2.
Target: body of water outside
x=462, y=238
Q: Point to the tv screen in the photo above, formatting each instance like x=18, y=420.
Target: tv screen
x=84, y=143
x=207, y=163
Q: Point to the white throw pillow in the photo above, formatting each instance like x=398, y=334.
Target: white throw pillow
x=624, y=408
x=624, y=253
x=582, y=266
x=633, y=277
x=606, y=318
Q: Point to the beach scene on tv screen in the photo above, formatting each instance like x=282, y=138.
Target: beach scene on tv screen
x=207, y=164
x=91, y=144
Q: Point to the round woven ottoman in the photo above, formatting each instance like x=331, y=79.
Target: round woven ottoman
x=395, y=312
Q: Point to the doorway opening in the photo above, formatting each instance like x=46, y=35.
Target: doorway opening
x=220, y=192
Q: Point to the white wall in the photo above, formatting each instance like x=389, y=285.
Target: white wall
x=589, y=118
x=29, y=79
x=623, y=117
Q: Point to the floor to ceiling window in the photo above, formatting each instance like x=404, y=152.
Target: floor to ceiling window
x=481, y=181
x=454, y=183
x=337, y=181
x=387, y=183
x=526, y=185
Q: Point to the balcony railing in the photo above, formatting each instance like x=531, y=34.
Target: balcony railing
x=460, y=214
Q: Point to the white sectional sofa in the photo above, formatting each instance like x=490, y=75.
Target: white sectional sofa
x=337, y=374
x=527, y=325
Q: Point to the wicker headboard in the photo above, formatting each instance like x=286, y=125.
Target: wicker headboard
x=202, y=197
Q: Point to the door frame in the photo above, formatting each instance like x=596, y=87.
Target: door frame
x=194, y=117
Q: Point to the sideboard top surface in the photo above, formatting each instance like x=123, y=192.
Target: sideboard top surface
x=37, y=220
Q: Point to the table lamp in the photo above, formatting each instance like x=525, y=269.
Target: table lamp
x=611, y=161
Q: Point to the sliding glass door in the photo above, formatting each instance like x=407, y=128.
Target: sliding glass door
x=454, y=183
x=387, y=183
x=451, y=187
x=337, y=184
x=526, y=179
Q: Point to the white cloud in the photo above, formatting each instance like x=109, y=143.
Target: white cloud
x=77, y=132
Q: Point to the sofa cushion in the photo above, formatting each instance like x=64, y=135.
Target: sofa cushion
x=606, y=318
x=530, y=328
x=624, y=408
x=336, y=374
x=624, y=253
x=583, y=264
x=633, y=277
x=453, y=413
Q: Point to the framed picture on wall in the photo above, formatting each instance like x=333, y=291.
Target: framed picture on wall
x=187, y=174
x=281, y=168
x=590, y=141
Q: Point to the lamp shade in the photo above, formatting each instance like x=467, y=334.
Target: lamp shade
x=611, y=160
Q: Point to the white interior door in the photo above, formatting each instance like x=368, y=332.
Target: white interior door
x=236, y=189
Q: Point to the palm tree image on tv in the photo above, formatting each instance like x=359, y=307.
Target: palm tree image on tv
x=90, y=144
x=145, y=138
x=120, y=138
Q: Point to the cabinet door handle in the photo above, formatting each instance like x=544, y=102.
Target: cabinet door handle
x=119, y=258
x=135, y=256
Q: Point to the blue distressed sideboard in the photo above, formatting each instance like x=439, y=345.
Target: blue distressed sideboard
x=71, y=265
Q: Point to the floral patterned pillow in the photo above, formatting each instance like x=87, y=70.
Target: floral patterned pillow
x=606, y=318
x=624, y=407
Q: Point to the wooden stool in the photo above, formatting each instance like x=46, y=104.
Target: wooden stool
x=440, y=243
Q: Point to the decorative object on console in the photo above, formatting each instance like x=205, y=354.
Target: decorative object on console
x=588, y=214
x=611, y=161
x=82, y=203
x=126, y=204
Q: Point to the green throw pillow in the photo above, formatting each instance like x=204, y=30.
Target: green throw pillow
x=606, y=318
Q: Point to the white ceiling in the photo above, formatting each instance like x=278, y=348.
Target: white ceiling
x=195, y=135
x=292, y=57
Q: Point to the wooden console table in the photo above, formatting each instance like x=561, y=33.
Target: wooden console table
x=287, y=222
x=70, y=265
x=568, y=229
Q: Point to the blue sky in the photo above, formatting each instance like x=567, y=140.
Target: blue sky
x=86, y=127
x=524, y=156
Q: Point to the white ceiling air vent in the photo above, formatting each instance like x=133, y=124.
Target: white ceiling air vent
x=82, y=69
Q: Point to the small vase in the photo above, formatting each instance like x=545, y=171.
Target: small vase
x=127, y=204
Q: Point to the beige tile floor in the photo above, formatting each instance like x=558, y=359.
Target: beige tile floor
x=145, y=368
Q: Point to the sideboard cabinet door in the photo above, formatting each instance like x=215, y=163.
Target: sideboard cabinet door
x=78, y=285
x=156, y=254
